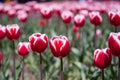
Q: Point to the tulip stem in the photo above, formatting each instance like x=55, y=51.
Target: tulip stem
x=119, y=69
x=41, y=73
x=67, y=30
x=23, y=64
x=61, y=70
x=14, y=69
x=94, y=39
x=102, y=72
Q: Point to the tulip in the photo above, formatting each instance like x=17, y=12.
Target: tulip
x=75, y=28
x=114, y=18
x=13, y=32
x=66, y=16
x=102, y=59
x=98, y=33
x=95, y=18
x=60, y=47
x=46, y=12
x=79, y=20
x=12, y=13
x=23, y=17
x=2, y=32
x=38, y=43
x=42, y=22
x=23, y=50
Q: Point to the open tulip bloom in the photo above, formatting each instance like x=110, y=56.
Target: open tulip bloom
x=60, y=47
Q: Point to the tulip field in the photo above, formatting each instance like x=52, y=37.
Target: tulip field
x=66, y=40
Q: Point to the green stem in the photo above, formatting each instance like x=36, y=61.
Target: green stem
x=119, y=69
x=95, y=39
x=23, y=64
x=41, y=72
x=102, y=72
x=14, y=55
x=61, y=69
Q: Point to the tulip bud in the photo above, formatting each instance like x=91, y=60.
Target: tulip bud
x=98, y=32
x=66, y=16
x=114, y=43
x=13, y=32
x=23, y=48
x=77, y=35
x=2, y=32
x=102, y=58
x=42, y=22
x=75, y=28
x=95, y=18
x=46, y=12
x=38, y=42
x=114, y=18
x=60, y=46
x=79, y=20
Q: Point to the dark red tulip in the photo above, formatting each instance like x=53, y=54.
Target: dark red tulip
x=46, y=12
x=66, y=16
x=2, y=32
x=102, y=58
x=13, y=32
x=42, y=22
x=60, y=46
x=12, y=13
x=1, y=8
x=95, y=18
x=114, y=18
x=114, y=43
x=79, y=20
x=75, y=28
x=23, y=17
x=38, y=42
x=7, y=8
x=23, y=48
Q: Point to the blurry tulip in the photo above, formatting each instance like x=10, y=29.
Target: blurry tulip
x=66, y=16
x=23, y=48
x=114, y=43
x=46, y=12
x=98, y=32
x=13, y=31
x=114, y=18
x=95, y=18
x=60, y=46
x=84, y=12
x=75, y=28
x=102, y=58
x=2, y=32
x=42, y=22
x=23, y=17
x=77, y=35
x=79, y=20
x=38, y=42
x=12, y=13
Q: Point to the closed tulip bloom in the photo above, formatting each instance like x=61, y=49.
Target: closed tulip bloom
x=2, y=32
x=95, y=18
x=46, y=12
x=23, y=17
x=79, y=20
x=102, y=58
x=60, y=46
x=23, y=48
x=114, y=18
x=12, y=13
x=114, y=43
x=13, y=32
x=75, y=28
x=38, y=42
x=66, y=16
